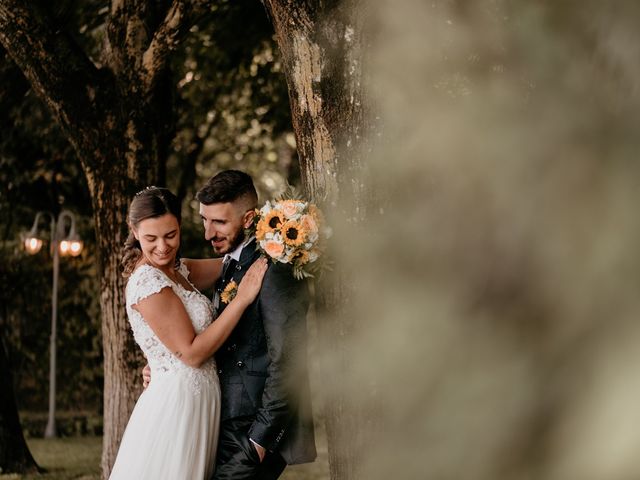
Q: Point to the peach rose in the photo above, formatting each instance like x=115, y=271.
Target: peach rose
x=309, y=224
x=289, y=208
x=273, y=248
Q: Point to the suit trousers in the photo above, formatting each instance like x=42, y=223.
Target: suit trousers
x=237, y=458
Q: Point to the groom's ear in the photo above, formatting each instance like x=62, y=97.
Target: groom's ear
x=247, y=219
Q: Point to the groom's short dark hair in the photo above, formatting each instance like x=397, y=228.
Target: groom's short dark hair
x=228, y=186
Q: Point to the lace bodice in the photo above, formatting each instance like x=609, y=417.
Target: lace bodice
x=146, y=281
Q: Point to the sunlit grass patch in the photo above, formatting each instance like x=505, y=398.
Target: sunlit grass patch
x=78, y=458
x=64, y=458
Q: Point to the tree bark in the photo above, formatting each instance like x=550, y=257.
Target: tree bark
x=322, y=46
x=15, y=456
x=118, y=120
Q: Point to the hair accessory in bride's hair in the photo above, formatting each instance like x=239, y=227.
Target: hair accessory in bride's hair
x=146, y=189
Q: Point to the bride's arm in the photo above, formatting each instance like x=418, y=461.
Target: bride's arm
x=203, y=273
x=167, y=317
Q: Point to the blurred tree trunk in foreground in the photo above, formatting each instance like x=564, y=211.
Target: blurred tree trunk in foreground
x=116, y=113
x=15, y=456
x=498, y=295
x=323, y=49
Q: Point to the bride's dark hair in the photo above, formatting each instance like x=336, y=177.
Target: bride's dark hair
x=151, y=202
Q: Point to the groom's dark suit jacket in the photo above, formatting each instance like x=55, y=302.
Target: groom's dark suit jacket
x=263, y=364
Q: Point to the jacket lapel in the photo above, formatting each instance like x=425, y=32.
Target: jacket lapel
x=248, y=255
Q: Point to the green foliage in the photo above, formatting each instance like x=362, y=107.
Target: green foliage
x=231, y=111
x=39, y=172
x=69, y=423
x=26, y=317
x=232, y=103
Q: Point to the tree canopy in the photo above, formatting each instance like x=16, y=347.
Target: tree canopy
x=229, y=108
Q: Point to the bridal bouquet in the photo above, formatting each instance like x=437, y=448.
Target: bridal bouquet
x=292, y=231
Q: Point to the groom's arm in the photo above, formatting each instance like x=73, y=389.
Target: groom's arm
x=283, y=302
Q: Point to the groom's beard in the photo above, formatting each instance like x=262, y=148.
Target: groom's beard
x=232, y=244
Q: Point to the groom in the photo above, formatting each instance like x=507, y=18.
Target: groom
x=266, y=420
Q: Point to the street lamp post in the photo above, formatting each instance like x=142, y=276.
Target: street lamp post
x=61, y=244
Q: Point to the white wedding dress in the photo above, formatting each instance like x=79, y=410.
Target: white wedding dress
x=172, y=433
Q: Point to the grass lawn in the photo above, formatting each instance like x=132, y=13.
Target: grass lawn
x=78, y=458
x=65, y=458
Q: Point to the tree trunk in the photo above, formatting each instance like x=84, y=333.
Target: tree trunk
x=15, y=456
x=118, y=120
x=122, y=359
x=322, y=46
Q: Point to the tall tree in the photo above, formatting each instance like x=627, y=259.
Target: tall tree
x=116, y=113
x=15, y=456
x=323, y=50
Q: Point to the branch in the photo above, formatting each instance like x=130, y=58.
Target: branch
x=182, y=15
x=127, y=37
x=59, y=72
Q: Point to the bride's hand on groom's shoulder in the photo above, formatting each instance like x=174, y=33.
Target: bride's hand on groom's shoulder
x=252, y=281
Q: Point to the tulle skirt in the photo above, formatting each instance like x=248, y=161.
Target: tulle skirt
x=172, y=433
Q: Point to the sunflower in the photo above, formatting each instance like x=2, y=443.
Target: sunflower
x=293, y=233
x=229, y=292
x=262, y=229
x=273, y=219
x=301, y=257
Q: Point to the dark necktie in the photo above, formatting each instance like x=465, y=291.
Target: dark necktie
x=227, y=268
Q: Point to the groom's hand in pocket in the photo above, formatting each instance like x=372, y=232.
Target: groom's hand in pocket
x=261, y=450
x=146, y=376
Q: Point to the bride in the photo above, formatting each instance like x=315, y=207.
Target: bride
x=173, y=430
